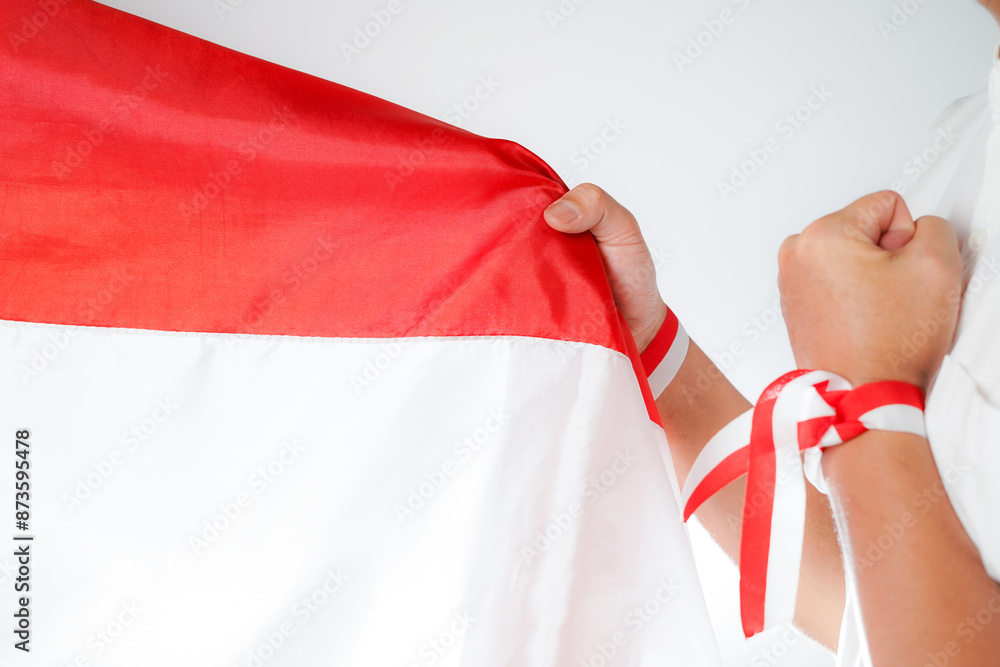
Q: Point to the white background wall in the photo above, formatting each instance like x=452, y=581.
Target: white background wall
x=564, y=70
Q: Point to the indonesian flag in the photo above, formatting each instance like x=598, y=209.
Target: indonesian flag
x=295, y=376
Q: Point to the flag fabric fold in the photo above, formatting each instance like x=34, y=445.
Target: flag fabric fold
x=300, y=376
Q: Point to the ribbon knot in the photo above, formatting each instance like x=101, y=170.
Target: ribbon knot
x=798, y=415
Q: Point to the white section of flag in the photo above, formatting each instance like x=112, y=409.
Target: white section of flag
x=212, y=499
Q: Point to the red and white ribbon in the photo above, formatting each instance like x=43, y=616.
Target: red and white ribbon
x=664, y=355
x=802, y=412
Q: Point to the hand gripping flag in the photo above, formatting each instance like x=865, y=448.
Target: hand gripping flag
x=778, y=444
x=295, y=376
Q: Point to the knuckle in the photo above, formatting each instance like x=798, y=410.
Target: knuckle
x=875, y=205
x=884, y=199
x=786, y=251
x=590, y=195
x=810, y=242
x=947, y=266
x=940, y=268
x=822, y=227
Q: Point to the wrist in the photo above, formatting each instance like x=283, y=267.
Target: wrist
x=891, y=412
x=646, y=336
x=878, y=449
x=868, y=365
x=871, y=376
x=697, y=404
x=665, y=353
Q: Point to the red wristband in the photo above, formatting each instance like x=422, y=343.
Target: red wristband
x=664, y=355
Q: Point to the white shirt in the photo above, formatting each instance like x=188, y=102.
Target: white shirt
x=957, y=177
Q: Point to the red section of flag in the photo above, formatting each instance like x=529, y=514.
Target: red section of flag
x=153, y=180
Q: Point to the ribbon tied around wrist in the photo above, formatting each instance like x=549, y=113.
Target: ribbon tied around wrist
x=797, y=416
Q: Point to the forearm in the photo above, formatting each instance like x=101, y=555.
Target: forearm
x=694, y=407
x=692, y=412
x=922, y=586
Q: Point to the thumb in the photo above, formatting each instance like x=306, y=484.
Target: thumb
x=881, y=218
x=587, y=206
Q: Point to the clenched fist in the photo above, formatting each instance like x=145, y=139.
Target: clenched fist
x=870, y=294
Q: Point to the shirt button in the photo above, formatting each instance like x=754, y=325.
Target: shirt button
x=978, y=240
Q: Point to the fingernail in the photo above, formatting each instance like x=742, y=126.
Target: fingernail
x=563, y=211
